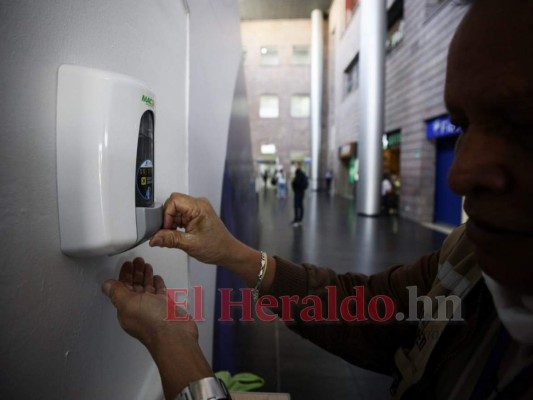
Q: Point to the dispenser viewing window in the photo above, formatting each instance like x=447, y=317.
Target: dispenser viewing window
x=144, y=188
x=105, y=162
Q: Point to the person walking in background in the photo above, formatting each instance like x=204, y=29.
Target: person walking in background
x=386, y=192
x=282, y=184
x=265, y=178
x=299, y=185
x=328, y=176
x=259, y=183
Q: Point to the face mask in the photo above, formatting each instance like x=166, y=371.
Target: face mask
x=514, y=309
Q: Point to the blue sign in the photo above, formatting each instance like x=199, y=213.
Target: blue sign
x=440, y=127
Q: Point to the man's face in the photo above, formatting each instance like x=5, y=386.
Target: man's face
x=489, y=93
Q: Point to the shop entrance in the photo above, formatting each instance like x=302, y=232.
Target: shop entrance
x=391, y=171
x=447, y=204
x=346, y=180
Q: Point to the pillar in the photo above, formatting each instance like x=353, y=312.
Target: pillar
x=317, y=76
x=372, y=105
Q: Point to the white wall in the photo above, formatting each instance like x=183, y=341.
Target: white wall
x=215, y=58
x=60, y=337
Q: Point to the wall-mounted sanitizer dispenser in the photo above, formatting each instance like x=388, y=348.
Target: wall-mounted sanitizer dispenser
x=105, y=162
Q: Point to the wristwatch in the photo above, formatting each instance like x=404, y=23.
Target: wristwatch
x=209, y=388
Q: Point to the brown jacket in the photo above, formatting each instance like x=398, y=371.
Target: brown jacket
x=462, y=347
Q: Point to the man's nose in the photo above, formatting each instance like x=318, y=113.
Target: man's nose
x=479, y=164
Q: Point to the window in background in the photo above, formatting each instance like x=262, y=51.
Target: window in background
x=269, y=55
x=268, y=148
x=395, y=25
x=269, y=106
x=301, y=55
x=351, y=76
x=300, y=106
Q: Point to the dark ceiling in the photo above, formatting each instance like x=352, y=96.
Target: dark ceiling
x=281, y=9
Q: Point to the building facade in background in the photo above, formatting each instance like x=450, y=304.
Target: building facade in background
x=418, y=139
x=277, y=68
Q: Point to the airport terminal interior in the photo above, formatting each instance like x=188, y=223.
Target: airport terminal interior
x=111, y=105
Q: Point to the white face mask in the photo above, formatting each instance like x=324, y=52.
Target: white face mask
x=514, y=309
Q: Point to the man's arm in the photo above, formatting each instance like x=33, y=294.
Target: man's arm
x=368, y=343
x=371, y=345
x=141, y=302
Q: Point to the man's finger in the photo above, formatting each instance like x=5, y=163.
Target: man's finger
x=117, y=292
x=171, y=239
x=159, y=284
x=176, y=204
x=149, y=279
x=126, y=274
x=139, y=268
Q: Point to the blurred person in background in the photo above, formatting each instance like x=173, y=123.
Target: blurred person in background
x=299, y=186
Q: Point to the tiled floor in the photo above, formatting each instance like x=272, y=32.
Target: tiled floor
x=332, y=235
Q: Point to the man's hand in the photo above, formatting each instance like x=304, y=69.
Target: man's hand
x=204, y=235
x=205, y=238
x=141, y=302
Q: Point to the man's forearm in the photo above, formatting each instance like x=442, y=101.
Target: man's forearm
x=246, y=263
x=179, y=363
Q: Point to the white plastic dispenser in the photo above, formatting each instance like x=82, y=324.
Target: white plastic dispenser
x=105, y=162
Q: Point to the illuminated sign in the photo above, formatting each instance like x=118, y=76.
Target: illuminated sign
x=440, y=127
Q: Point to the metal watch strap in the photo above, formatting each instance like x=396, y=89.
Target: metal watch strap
x=209, y=388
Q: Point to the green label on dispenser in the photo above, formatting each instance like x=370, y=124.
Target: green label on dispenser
x=147, y=100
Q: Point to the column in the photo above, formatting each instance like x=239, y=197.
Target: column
x=317, y=76
x=372, y=105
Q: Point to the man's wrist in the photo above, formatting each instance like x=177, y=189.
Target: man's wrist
x=246, y=262
x=209, y=388
x=180, y=361
x=240, y=256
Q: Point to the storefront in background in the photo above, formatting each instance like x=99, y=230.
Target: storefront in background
x=347, y=174
x=391, y=165
x=448, y=205
x=391, y=152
